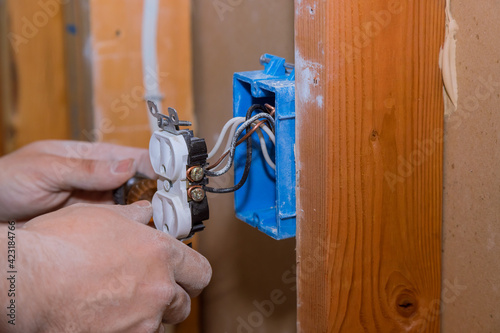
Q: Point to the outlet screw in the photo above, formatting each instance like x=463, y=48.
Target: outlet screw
x=196, y=174
x=197, y=194
x=167, y=185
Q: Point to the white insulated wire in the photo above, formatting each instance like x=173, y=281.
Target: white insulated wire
x=263, y=147
x=231, y=133
x=269, y=133
x=234, y=122
x=149, y=57
x=230, y=161
x=235, y=125
x=266, y=129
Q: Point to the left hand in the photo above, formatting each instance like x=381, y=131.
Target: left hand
x=46, y=175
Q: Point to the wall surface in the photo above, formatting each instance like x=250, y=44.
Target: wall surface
x=230, y=36
x=34, y=82
x=471, y=270
x=118, y=78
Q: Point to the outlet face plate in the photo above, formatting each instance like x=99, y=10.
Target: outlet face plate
x=267, y=200
x=169, y=155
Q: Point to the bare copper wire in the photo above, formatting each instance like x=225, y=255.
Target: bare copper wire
x=188, y=173
x=271, y=109
x=191, y=189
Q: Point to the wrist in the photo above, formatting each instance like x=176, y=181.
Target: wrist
x=21, y=308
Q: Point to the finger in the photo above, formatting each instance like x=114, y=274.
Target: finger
x=192, y=271
x=179, y=308
x=161, y=329
x=140, y=211
x=90, y=197
x=94, y=151
x=89, y=175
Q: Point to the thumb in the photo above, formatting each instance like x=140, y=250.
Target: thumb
x=140, y=211
x=92, y=175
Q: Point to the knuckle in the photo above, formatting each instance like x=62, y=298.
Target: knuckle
x=88, y=166
x=167, y=293
x=179, y=309
x=38, y=145
x=207, y=269
x=185, y=307
x=165, y=246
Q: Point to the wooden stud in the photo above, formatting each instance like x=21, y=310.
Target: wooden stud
x=78, y=69
x=369, y=163
x=120, y=113
x=4, y=76
x=37, y=85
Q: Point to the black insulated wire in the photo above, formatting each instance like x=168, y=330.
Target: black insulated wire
x=248, y=161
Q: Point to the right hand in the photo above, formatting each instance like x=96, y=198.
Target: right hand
x=99, y=268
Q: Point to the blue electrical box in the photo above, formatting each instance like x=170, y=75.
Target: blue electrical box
x=267, y=200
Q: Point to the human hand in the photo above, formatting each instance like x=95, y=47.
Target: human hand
x=98, y=268
x=47, y=175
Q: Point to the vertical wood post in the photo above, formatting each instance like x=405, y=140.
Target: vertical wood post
x=120, y=113
x=369, y=165
x=34, y=83
x=4, y=77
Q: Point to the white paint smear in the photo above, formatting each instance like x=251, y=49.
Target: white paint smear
x=447, y=59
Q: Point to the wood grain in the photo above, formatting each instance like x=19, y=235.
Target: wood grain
x=37, y=86
x=4, y=79
x=120, y=113
x=369, y=161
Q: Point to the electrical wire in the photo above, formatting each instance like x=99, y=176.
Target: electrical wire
x=256, y=126
x=248, y=161
x=238, y=132
x=233, y=123
x=263, y=147
x=269, y=133
x=231, y=134
x=150, y=58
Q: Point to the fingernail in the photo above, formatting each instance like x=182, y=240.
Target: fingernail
x=123, y=166
x=143, y=203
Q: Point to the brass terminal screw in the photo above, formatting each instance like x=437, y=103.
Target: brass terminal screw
x=196, y=193
x=195, y=174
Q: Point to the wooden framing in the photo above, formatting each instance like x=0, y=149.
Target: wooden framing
x=4, y=93
x=117, y=79
x=369, y=165
x=78, y=68
x=35, y=105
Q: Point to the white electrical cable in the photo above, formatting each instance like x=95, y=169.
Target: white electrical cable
x=231, y=122
x=149, y=57
x=265, y=152
x=263, y=146
x=231, y=133
x=238, y=132
x=269, y=133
